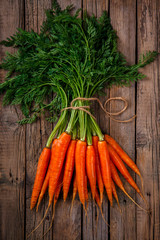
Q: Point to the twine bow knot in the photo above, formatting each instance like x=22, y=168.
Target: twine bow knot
x=103, y=107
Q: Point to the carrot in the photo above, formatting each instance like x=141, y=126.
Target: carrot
x=105, y=167
x=122, y=154
x=43, y=190
x=95, y=140
x=69, y=167
x=91, y=168
x=86, y=190
x=115, y=193
x=58, y=189
x=97, y=198
x=53, y=145
x=46, y=181
x=56, y=196
x=44, y=187
x=115, y=176
x=119, y=183
x=80, y=157
x=123, y=170
x=75, y=189
x=57, y=160
x=41, y=171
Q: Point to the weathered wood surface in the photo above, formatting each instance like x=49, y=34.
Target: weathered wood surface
x=123, y=18
x=147, y=127
x=12, y=142
x=137, y=25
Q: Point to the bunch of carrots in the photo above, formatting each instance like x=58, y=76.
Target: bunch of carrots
x=71, y=160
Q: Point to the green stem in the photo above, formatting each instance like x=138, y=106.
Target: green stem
x=78, y=132
x=97, y=129
x=78, y=74
x=82, y=123
x=62, y=117
x=71, y=122
x=62, y=127
x=92, y=128
x=89, y=135
x=74, y=133
x=53, y=133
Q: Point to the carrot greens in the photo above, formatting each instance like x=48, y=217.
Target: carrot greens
x=78, y=55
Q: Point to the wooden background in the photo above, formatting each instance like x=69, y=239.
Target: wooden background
x=138, y=27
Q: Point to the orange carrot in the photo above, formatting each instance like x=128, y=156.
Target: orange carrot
x=57, y=160
x=80, y=157
x=119, y=183
x=105, y=167
x=121, y=167
x=122, y=154
x=86, y=189
x=43, y=190
x=53, y=145
x=91, y=168
x=58, y=189
x=46, y=181
x=75, y=189
x=69, y=167
x=56, y=196
x=115, y=193
x=95, y=140
x=41, y=171
x=100, y=207
x=115, y=176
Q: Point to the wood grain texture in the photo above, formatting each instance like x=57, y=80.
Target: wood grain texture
x=36, y=135
x=123, y=19
x=147, y=127
x=67, y=224
x=12, y=141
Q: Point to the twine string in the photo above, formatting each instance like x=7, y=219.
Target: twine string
x=103, y=107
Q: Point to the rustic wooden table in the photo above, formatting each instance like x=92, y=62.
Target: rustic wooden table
x=138, y=28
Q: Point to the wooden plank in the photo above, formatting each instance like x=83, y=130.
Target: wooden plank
x=94, y=226
x=123, y=19
x=36, y=135
x=67, y=225
x=95, y=7
x=12, y=140
x=147, y=127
